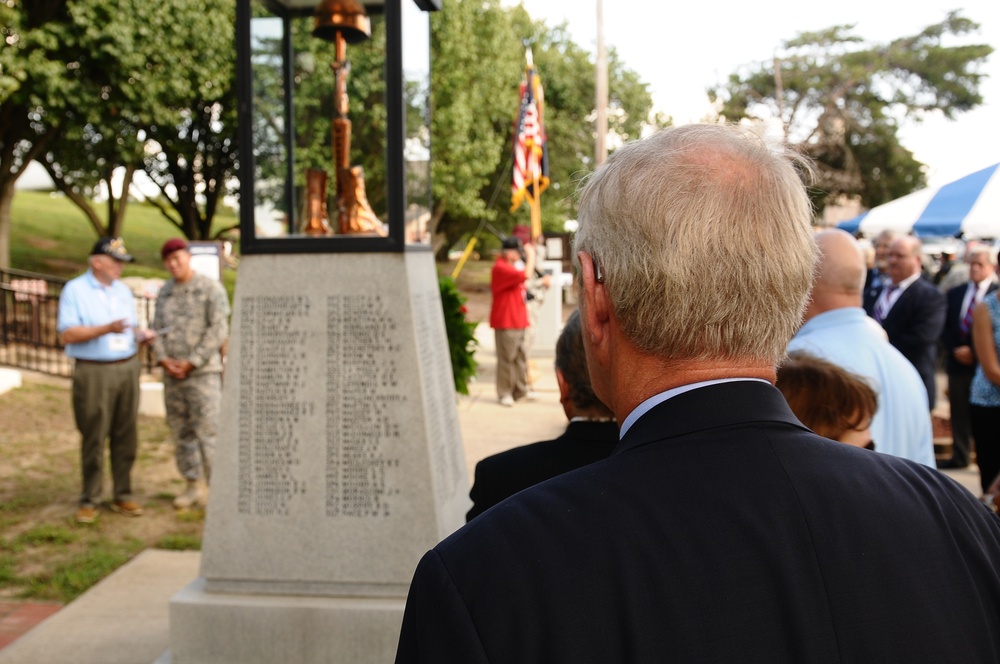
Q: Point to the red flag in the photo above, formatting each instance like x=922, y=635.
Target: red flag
x=531, y=152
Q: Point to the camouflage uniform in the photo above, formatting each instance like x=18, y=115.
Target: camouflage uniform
x=197, y=314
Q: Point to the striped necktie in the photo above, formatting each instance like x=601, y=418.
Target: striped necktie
x=882, y=306
x=965, y=325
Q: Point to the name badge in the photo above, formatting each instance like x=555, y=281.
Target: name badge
x=119, y=342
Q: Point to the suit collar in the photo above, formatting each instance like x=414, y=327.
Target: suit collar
x=715, y=406
x=593, y=431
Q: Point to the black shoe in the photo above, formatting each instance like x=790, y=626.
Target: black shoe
x=951, y=464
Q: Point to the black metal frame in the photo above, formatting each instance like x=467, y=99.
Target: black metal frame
x=395, y=102
x=28, y=319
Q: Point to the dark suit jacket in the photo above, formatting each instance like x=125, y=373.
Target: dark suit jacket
x=502, y=475
x=951, y=335
x=914, y=326
x=873, y=287
x=719, y=530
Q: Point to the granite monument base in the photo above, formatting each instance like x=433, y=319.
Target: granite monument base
x=266, y=628
x=339, y=462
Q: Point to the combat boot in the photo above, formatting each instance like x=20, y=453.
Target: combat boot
x=189, y=497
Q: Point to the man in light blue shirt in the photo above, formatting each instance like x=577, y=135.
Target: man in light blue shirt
x=838, y=330
x=97, y=324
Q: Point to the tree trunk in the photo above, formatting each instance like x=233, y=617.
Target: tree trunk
x=78, y=200
x=6, y=199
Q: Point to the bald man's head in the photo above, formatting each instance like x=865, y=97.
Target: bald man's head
x=840, y=275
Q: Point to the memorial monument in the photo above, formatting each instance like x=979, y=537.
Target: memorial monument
x=340, y=459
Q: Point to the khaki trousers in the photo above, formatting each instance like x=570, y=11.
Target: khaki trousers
x=105, y=406
x=512, y=364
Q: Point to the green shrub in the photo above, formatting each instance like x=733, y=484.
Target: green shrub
x=461, y=335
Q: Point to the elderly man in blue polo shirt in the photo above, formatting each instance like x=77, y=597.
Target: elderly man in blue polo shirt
x=97, y=324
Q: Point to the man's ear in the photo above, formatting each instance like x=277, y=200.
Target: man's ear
x=563, y=386
x=596, y=310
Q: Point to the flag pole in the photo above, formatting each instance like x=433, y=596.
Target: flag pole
x=535, y=203
x=600, y=144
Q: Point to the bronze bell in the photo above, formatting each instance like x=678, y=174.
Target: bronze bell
x=348, y=17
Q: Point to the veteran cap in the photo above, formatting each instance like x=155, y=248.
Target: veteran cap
x=112, y=246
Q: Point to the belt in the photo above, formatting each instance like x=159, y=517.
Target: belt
x=121, y=361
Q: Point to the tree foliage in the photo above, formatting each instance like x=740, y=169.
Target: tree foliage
x=53, y=63
x=191, y=135
x=91, y=87
x=478, y=61
x=842, y=101
x=84, y=85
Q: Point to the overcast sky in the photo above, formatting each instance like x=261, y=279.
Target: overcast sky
x=681, y=49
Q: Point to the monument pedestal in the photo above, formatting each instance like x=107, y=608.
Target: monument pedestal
x=339, y=462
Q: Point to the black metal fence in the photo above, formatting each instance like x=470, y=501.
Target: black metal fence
x=29, y=310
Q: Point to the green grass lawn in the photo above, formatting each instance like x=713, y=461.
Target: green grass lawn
x=50, y=235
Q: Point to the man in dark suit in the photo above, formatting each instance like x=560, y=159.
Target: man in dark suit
x=720, y=529
x=912, y=311
x=876, y=277
x=591, y=435
x=960, y=361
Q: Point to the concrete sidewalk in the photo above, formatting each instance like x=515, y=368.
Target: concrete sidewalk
x=124, y=619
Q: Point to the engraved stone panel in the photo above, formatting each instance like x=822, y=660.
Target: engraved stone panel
x=340, y=458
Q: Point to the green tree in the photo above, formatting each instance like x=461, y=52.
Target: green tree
x=191, y=108
x=84, y=84
x=475, y=88
x=842, y=100
x=52, y=63
x=477, y=60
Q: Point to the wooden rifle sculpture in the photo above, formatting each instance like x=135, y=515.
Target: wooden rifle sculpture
x=354, y=214
x=343, y=22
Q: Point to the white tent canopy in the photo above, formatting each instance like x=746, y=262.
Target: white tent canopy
x=967, y=208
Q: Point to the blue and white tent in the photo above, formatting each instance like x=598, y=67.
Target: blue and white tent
x=968, y=207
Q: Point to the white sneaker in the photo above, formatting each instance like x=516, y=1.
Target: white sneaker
x=507, y=401
x=531, y=396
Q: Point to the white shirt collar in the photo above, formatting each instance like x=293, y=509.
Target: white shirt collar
x=657, y=399
x=905, y=283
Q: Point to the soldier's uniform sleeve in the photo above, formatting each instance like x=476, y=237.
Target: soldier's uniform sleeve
x=216, y=326
x=159, y=322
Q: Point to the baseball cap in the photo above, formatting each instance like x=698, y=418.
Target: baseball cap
x=172, y=245
x=511, y=243
x=112, y=246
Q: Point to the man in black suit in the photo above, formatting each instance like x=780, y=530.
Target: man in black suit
x=591, y=435
x=912, y=311
x=720, y=529
x=960, y=361
x=876, y=277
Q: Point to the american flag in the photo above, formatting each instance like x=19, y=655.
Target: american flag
x=531, y=152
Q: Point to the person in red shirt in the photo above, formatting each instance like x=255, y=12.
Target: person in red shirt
x=509, y=318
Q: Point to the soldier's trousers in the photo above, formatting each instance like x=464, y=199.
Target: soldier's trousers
x=192, y=406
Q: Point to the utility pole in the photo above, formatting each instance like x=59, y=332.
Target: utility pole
x=600, y=148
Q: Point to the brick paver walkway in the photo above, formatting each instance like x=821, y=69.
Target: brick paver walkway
x=16, y=618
